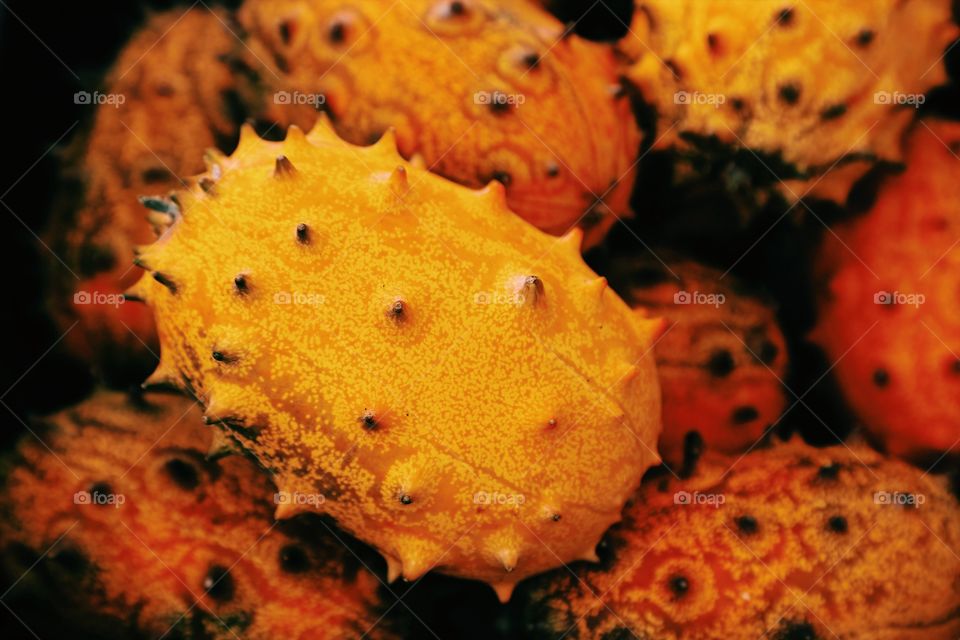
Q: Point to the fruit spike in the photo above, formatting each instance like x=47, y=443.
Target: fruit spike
x=417, y=431
x=550, y=106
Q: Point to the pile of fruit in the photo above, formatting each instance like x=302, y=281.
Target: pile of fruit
x=376, y=292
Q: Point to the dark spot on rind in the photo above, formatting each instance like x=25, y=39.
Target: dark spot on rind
x=784, y=17
x=303, y=233
x=881, y=378
x=556, y=517
x=745, y=414
x=865, y=37
x=713, y=43
x=283, y=167
x=553, y=170
x=101, y=488
x=747, y=525
x=222, y=356
x=369, y=421
x=790, y=93
x=218, y=583
x=241, y=284
x=183, y=474
x=502, y=177
x=397, y=310
x=837, y=524
x=531, y=60
x=721, y=364
x=692, y=450
x=834, y=112
x=829, y=472
x=679, y=585
x=406, y=499
x=337, y=33
x=293, y=559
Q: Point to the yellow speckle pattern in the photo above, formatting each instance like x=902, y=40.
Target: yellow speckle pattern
x=182, y=519
x=806, y=543
x=514, y=385
x=766, y=74
x=887, y=311
x=722, y=359
x=480, y=89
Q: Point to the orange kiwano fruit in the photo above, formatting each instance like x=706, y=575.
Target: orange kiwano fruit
x=127, y=525
x=794, y=542
x=820, y=89
x=721, y=360
x=170, y=100
x=480, y=89
x=460, y=388
x=889, y=315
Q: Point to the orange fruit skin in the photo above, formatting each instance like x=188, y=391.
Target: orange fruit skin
x=158, y=526
x=897, y=364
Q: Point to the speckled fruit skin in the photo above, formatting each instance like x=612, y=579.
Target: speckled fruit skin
x=897, y=364
x=155, y=564
x=409, y=349
x=722, y=359
x=799, y=80
x=801, y=547
x=419, y=66
x=172, y=84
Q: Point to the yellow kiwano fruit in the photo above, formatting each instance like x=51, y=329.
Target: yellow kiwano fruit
x=452, y=385
x=820, y=90
x=480, y=89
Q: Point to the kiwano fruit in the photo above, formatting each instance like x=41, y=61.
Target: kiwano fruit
x=460, y=388
x=721, y=361
x=818, y=90
x=480, y=89
x=888, y=313
x=787, y=543
x=170, y=99
x=133, y=531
